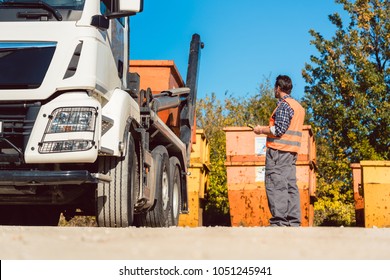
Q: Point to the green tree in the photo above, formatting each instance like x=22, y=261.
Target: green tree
x=212, y=116
x=348, y=100
x=255, y=109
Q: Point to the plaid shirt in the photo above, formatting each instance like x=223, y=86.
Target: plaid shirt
x=282, y=116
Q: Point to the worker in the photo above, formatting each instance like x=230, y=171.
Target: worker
x=284, y=135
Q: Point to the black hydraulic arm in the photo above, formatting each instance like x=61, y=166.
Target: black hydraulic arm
x=188, y=112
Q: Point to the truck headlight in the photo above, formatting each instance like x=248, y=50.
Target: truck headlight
x=70, y=129
x=72, y=119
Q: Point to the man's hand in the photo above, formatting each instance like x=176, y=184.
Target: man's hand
x=258, y=129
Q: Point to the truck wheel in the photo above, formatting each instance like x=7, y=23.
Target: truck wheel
x=176, y=191
x=116, y=199
x=159, y=215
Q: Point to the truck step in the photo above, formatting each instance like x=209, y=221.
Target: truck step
x=106, y=151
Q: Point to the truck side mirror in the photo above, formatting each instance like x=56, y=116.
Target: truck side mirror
x=131, y=6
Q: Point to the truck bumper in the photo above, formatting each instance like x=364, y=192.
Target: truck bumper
x=36, y=178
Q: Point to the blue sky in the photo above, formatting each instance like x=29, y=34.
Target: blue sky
x=245, y=41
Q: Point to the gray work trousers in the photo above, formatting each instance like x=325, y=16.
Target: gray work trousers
x=281, y=188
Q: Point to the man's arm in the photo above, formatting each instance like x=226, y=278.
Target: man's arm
x=283, y=116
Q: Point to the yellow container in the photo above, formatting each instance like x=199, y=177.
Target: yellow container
x=376, y=192
x=197, y=181
x=200, y=152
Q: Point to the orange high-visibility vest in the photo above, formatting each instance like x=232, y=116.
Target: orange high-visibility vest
x=290, y=141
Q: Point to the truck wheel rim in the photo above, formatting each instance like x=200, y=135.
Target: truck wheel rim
x=175, y=202
x=165, y=190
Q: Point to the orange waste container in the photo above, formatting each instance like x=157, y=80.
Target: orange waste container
x=160, y=75
x=245, y=164
x=358, y=194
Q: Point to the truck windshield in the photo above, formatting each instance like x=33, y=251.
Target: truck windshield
x=58, y=4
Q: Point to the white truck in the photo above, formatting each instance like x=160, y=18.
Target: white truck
x=77, y=135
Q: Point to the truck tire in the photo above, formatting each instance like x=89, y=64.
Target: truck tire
x=176, y=191
x=159, y=214
x=116, y=199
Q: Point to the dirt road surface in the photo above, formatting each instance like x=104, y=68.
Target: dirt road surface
x=203, y=243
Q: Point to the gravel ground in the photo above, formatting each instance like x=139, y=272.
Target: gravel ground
x=203, y=243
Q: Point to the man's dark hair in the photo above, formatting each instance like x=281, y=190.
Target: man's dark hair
x=284, y=82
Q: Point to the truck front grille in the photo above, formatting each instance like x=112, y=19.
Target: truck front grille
x=16, y=123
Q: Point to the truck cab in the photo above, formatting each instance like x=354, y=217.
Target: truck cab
x=77, y=136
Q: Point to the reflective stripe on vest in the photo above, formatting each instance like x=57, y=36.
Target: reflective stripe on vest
x=290, y=141
x=285, y=142
x=295, y=133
